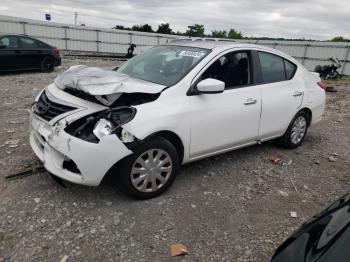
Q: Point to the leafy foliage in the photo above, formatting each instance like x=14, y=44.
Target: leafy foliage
x=219, y=34
x=198, y=30
x=195, y=30
x=340, y=39
x=164, y=29
x=233, y=34
x=142, y=28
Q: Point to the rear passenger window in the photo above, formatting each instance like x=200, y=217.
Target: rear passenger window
x=28, y=43
x=272, y=68
x=275, y=68
x=290, y=69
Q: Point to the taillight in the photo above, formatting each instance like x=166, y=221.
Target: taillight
x=323, y=85
x=56, y=52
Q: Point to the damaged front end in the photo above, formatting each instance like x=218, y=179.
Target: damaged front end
x=107, y=87
x=77, y=122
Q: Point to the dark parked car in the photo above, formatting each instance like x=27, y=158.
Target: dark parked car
x=324, y=238
x=19, y=52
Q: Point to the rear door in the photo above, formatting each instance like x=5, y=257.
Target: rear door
x=32, y=51
x=281, y=94
x=9, y=53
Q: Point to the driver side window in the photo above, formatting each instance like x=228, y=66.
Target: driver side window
x=233, y=69
x=9, y=41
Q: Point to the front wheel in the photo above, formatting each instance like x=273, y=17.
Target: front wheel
x=296, y=132
x=150, y=170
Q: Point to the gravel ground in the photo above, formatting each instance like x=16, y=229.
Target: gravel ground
x=233, y=207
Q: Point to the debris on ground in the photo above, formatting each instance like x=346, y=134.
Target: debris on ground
x=291, y=180
x=332, y=159
x=293, y=214
x=275, y=160
x=278, y=161
x=25, y=173
x=64, y=258
x=12, y=142
x=178, y=249
x=287, y=163
x=282, y=193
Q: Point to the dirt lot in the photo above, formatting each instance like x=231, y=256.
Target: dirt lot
x=233, y=207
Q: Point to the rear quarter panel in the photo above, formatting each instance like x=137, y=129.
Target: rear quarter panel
x=315, y=96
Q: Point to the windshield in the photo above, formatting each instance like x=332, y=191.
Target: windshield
x=164, y=65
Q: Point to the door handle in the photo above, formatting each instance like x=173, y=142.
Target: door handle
x=250, y=101
x=297, y=93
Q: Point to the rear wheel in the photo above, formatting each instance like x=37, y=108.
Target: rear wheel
x=150, y=170
x=296, y=132
x=47, y=64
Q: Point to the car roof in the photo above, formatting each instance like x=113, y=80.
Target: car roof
x=209, y=43
x=214, y=44
x=11, y=34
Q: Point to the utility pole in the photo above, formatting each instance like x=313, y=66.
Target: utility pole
x=75, y=17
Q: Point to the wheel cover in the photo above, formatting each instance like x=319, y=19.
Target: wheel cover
x=298, y=129
x=151, y=170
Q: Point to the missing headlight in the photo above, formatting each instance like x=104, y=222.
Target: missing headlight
x=93, y=127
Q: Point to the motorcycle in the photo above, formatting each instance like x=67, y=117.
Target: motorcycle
x=329, y=72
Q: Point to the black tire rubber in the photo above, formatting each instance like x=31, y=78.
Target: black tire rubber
x=124, y=167
x=47, y=65
x=286, y=140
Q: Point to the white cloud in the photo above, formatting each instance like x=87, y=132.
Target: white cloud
x=273, y=18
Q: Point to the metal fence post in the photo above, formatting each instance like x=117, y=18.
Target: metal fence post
x=130, y=38
x=66, y=37
x=97, y=41
x=346, y=59
x=24, y=27
x=305, y=52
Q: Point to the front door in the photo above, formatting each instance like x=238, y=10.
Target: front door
x=229, y=119
x=9, y=56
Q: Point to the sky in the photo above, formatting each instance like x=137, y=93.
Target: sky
x=310, y=19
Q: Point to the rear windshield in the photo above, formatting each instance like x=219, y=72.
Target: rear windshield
x=164, y=65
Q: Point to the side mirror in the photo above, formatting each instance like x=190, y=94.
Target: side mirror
x=2, y=46
x=210, y=86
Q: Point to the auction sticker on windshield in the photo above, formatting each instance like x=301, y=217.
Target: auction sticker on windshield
x=192, y=54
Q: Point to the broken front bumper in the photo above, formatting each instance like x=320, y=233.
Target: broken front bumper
x=71, y=158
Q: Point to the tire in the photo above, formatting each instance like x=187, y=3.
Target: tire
x=47, y=65
x=336, y=75
x=145, y=185
x=296, y=132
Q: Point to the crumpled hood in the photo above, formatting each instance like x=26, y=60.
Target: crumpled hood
x=106, y=85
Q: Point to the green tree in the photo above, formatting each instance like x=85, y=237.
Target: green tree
x=195, y=30
x=233, y=34
x=219, y=34
x=142, y=28
x=340, y=39
x=164, y=28
x=121, y=27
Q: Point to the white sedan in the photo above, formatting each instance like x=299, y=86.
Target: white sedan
x=171, y=105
